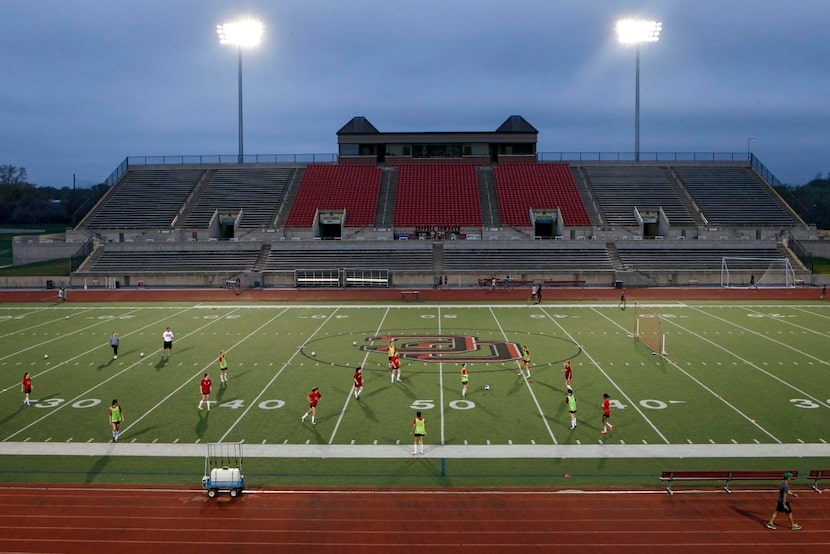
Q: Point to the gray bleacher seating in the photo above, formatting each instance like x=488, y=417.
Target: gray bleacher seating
x=145, y=199
x=647, y=256
x=256, y=191
x=620, y=188
x=730, y=195
x=174, y=261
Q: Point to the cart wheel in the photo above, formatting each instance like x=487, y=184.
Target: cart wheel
x=234, y=493
x=211, y=493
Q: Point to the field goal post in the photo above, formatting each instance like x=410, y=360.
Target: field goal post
x=649, y=330
x=756, y=272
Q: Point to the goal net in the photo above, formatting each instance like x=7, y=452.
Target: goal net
x=649, y=331
x=756, y=272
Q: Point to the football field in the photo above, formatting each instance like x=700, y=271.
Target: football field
x=733, y=376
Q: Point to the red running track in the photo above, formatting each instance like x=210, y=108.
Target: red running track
x=124, y=520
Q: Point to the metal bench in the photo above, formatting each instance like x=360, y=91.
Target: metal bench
x=721, y=475
x=407, y=294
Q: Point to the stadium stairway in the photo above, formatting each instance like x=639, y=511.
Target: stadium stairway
x=581, y=179
x=614, y=255
x=189, y=203
x=488, y=198
x=684, y=195
x=288, y=199
x=385, y=214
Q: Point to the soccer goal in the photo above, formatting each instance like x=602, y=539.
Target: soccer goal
x=649, y=330
x=756, y=272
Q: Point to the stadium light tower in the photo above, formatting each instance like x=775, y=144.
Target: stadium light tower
x=243, y=33
x=637, y=31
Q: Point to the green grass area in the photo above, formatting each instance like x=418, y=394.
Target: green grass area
x=737, y=373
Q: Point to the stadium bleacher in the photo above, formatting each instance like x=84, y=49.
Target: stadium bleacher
x=525, y=186
x=620, y=189
x=144, y=199
x=437, y=195
x=732, y=196
x=350, y=187
x=255, y=191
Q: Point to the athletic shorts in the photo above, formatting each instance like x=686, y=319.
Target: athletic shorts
x=28, y=391
x=168, y=345
x=783, y=508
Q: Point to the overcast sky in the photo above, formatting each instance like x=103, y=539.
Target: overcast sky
x=87, y=83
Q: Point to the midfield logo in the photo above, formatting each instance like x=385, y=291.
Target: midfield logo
x=446, y=348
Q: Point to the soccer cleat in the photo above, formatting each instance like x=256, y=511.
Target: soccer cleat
x=200, y=408
x=770, y=525
x=796, y=527
x=604, y=432
x=610, y=427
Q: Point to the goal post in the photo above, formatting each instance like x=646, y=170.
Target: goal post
x=756, y=272
x=649, y=330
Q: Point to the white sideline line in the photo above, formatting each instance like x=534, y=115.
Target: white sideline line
x=441, y=384
x=500, y=451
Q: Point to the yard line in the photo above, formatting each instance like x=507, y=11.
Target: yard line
x=441, y=381
x=633, y=404
x=39, y=324
x=703, y=386
x=814, y=314
x=189, y=380
x=756, y=333
x=349, y=395
x=529, y=388
x=69, y=402
x=45, y=342
x=785, y=322
x=762, y=370
x=277, y=374
x=102, y=345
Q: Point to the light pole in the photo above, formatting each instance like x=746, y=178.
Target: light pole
x=749, y=147
x=636, y=31
x=242, y=33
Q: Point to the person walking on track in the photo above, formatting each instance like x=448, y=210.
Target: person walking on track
x=783, y=505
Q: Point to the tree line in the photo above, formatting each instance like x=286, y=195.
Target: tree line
x=22, y=202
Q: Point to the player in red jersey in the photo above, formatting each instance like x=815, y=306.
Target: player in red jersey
x=204, y=386
x=606, y=413
x=26, y=388
x=313, y=397
x=358, y=382
x=569, y=374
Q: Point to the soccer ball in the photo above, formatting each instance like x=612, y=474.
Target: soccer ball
x=486, y=387
x=354, y=343
x=67, y=317
x=314, y=353
x=45, y=356
x=142, y=354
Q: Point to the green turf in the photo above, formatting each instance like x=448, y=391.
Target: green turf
x=740, y=373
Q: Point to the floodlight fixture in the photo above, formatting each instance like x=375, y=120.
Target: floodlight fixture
x=242, y=34
x=636, y=32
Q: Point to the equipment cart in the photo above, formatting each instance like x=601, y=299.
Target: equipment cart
x=223, y=469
